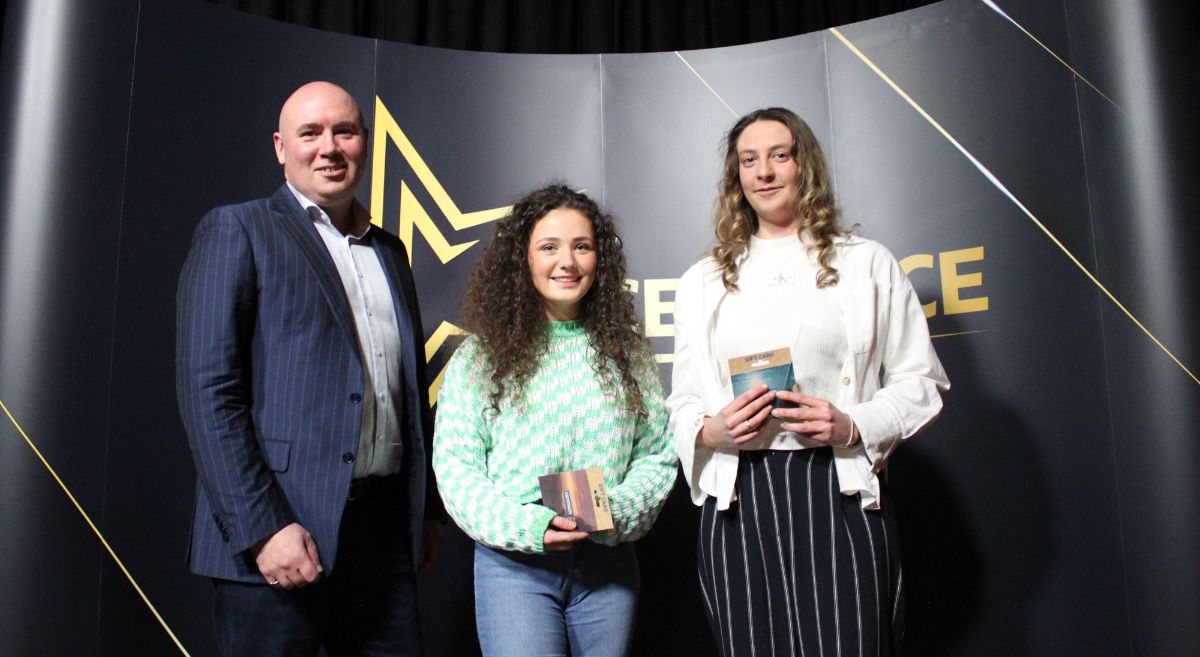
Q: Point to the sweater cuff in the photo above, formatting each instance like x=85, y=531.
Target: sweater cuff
x=538, y=522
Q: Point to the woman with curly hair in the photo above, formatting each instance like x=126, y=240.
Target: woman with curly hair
x=556, y=377
x=798, y=550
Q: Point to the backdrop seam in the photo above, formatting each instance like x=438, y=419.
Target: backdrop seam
x=116, y=297
x=1112, y=430
x=603, y=138
x=829, y=111
x=137, y=30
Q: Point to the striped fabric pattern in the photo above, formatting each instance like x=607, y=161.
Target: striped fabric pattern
x=796, y=568
x=270, y=381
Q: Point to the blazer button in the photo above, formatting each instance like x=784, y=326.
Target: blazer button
x=348, y=457
x=355, y=398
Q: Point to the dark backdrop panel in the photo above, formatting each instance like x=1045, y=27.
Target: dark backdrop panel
x=1007, y=502
x=1142, y=164
x=66, y=69
x=206, y=95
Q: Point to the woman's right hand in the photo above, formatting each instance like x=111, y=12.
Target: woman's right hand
x=739, y=422
x=560, y=535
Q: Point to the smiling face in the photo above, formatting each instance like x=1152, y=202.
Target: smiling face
x=321, y=144
x=562, y=261
x=767, y=171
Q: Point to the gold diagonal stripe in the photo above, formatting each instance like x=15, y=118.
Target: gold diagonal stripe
x=951, y=335
x=1000, y=186
x=96, y=531
x=705, y=82
x=1053, y=54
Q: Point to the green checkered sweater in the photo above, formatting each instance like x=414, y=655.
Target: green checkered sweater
x=488, y=464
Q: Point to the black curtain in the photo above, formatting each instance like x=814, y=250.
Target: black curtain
x=573, y=26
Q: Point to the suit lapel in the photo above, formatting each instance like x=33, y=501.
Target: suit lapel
x=390, y=258
x=299, y=227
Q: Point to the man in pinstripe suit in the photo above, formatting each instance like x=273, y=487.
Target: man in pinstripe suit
x=300, y=378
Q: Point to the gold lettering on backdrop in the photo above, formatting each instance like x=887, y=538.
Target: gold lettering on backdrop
x=656, y=308
x=947, y=262
x=952, y=281
x=416, y=220
x=920, y=261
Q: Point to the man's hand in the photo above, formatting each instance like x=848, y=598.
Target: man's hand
x=288, y=559
x=431, y=545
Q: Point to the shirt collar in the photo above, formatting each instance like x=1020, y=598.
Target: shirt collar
x=317, y=213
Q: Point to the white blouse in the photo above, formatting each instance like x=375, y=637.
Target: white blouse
x=889, y=381
x=778, y=304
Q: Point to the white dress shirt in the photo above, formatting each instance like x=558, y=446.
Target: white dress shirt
x=380, y=443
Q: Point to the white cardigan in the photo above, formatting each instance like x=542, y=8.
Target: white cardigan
x=891, y=378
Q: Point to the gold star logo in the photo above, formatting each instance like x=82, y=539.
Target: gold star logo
x=414, y=219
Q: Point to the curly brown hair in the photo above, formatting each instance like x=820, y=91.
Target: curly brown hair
x=735, y=221
x=504, y=309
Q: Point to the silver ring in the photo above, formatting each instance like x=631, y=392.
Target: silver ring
x=272, y=582
x=747, y=423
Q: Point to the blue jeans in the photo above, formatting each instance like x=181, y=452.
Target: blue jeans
x=577, y=602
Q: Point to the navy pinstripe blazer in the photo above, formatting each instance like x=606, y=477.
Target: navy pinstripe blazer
x=270, y=382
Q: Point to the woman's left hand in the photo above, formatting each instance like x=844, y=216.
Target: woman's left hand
x=816, y=418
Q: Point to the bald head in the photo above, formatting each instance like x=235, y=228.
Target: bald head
x=319, y=91
x=321, y=144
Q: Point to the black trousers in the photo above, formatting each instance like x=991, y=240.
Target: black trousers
x=794, y=567
x=365, y=607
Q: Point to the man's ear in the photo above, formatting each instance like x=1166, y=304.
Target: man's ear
x=278, y=147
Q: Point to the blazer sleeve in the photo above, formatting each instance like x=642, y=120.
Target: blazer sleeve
x=216, y=309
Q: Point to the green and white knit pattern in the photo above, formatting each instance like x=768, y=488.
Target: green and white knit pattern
x=487, y=464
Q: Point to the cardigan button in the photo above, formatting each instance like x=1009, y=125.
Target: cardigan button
x=845, y=380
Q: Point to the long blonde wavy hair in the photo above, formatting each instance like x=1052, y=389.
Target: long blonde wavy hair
x=735, y=221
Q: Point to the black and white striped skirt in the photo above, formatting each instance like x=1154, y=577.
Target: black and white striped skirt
x=794, y=567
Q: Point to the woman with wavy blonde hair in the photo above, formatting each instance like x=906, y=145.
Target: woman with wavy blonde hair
x=556, y=377
x=798, y=551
